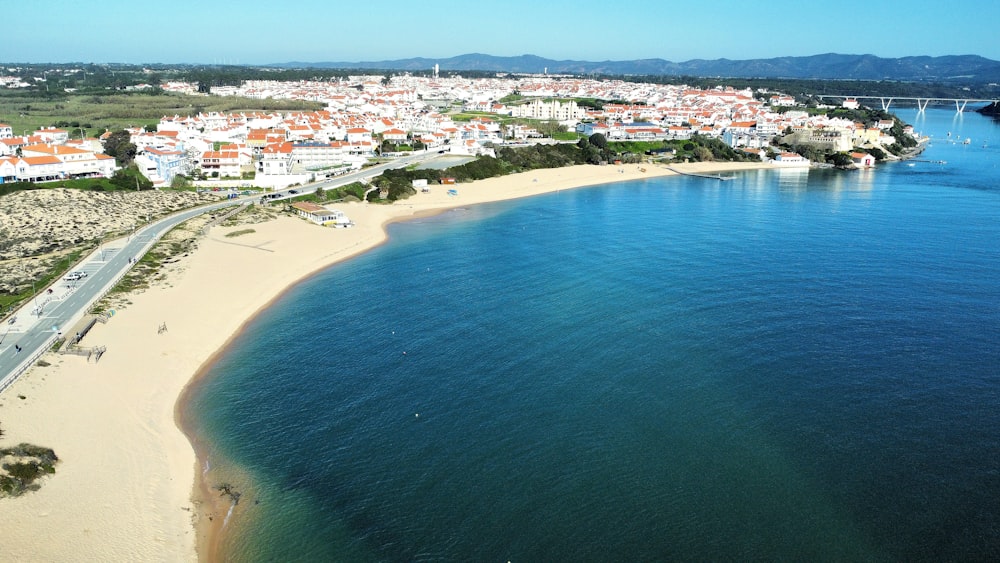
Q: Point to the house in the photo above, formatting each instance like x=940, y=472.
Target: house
x=313, y=155
x=862, y=159
x=790, y=159
x=359, y=135
x=10, y=146
x=759, y=154
x=220, y=163
x=276, y=160
x=321, y=215
x=8, y=170
x=394, y=135
x=39, y=169
x=5, y=131
x=161, y=163
x=53, y=135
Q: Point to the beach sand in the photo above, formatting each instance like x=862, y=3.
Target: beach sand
x=126, y=487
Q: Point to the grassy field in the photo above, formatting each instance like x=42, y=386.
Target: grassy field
x=26, y=111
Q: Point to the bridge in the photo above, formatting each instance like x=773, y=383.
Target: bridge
x=921, y=103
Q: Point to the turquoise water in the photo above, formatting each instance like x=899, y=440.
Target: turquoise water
x=794, y=365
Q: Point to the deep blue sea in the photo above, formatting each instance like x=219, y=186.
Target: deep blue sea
x=794, y=365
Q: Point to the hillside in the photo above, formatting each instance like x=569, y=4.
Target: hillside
x=967, y=68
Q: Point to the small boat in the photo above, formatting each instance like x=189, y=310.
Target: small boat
x=966, y=141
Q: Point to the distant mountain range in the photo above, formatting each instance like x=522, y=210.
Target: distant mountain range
x=831, y=66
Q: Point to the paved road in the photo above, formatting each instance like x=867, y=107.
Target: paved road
x=39, y=323
x=358, y=176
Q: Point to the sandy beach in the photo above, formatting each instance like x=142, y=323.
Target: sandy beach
x=126, y=487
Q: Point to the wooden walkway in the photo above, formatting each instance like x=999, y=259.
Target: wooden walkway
x=709, y=176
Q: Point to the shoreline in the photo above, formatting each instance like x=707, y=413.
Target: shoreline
x=130, y=484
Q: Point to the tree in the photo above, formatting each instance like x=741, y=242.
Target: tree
x=599, y=141
x=130, y=180
x=119, y=145
x=179, y=182
x=841, y=159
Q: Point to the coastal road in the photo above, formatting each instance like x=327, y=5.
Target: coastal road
x=33, y=329
x=36, y=326
x=360, y=175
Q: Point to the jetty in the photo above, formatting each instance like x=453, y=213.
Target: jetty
x=709, y=176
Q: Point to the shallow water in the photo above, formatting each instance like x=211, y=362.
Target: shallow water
x=791, y=365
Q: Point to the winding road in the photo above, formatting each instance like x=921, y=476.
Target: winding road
x=36, y=326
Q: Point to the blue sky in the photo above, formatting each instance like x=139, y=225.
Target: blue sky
x=270, y=31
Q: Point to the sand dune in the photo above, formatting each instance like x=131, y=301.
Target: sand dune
x=39, y=227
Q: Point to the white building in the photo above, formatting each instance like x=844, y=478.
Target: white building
x=550, y=110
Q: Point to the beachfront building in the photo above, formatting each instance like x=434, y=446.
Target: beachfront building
x=831, y=139
x=862, y=160
x=321, y=215
x=743, y=134
x=790, y=159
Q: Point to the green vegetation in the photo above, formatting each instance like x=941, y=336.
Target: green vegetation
x=94, y=113
x=126, y=179
x=240, y=233
x=398, y=184
x=868, y=117
x=510, y=98
x=353, y=191
x=30, y=462
x=9, y=301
